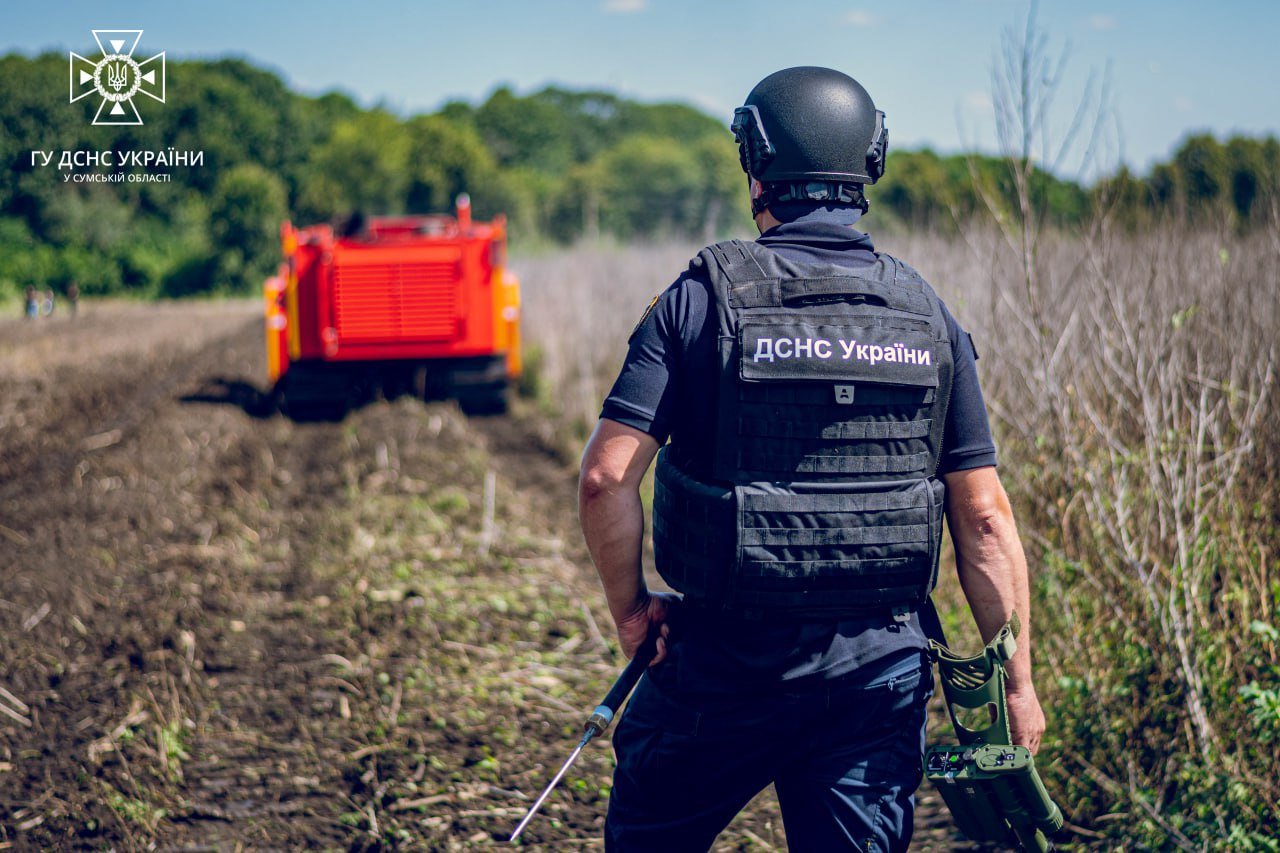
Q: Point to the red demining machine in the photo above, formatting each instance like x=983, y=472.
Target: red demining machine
x=393, y=305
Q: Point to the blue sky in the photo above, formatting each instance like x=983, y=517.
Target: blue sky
x=1175, y=66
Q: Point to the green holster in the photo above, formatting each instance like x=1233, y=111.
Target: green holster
x=991, y=787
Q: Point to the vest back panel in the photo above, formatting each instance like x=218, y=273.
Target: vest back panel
x=830, y=411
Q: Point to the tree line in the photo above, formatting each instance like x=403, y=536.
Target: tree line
x=561, y=164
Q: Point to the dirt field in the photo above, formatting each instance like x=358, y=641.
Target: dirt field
x=221, y=629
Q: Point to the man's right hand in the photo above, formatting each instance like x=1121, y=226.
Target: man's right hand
x=1026, y=718
x=653, y=613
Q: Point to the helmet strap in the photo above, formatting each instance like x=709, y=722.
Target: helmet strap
x=835, y=192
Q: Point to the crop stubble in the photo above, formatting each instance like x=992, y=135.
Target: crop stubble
x=222, y=628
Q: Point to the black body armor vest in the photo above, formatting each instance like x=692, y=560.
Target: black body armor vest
x=822, y=496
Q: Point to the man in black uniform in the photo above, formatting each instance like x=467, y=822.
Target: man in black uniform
x=823, y=412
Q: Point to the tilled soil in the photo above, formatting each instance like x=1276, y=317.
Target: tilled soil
x=221, y=629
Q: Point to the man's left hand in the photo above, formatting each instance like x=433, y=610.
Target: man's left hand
x=1026, y=718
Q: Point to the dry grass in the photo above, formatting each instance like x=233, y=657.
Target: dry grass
x=579, y=308
x=1131, y=383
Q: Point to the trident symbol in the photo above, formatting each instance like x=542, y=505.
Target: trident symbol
x=117, y=75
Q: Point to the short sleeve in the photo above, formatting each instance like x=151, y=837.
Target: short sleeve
x=645, y=393
x=966, y=440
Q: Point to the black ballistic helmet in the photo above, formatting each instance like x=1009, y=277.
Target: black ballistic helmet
x=810, y=133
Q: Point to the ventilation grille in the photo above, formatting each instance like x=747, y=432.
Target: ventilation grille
x=397, y=302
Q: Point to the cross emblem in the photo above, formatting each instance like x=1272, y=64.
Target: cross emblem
x=117, y=77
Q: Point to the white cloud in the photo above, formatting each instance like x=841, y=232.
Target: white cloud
x=1102, y=22
x=624, y=7
x=977, y=100
x=1183, y=104
x=861, y=18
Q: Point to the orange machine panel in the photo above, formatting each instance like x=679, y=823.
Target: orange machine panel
x=407, y=288
x=390, y=302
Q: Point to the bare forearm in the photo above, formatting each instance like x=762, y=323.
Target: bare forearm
x=613, y=526
x=990, y=562
x=609, y=508
x=993, y=575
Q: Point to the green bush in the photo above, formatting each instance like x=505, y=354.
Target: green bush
x=245, y=213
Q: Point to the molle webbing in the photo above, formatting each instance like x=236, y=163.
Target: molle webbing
x=810, y=549
x=846, y=430
x=735, y=255
x=782, y=432
x=837, y=549
x=694, y=532
x=812, y=395
x=774, y=294
x=830, y=409
x=826, y=352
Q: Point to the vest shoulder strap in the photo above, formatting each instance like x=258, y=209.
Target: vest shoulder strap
x=755, y=274
x=737, y=262
x=746, y=275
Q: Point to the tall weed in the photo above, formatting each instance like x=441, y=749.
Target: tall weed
x=1131, y=382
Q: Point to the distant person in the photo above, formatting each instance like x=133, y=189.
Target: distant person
x=823, y=411
x=31, y=307
x=73, y=298
x=46, y=307
x=355, y=226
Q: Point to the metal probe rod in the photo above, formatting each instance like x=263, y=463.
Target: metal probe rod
x=586, y=738
x=597, y=723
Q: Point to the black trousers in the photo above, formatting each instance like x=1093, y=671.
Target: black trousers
x=844, y=757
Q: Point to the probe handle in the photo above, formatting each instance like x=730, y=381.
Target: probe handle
x=603, y=714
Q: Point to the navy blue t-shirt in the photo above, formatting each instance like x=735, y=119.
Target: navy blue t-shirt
x=666, y=388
